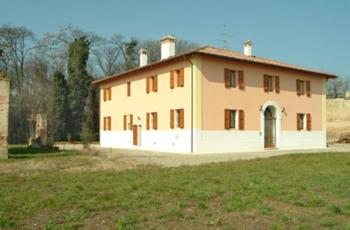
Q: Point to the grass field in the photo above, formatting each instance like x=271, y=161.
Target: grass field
x=68, y=191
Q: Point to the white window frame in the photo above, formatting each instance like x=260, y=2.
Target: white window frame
x=302, y=87
x=235, y=117
x=303, y=120
x=270, y=80
x=177, y=118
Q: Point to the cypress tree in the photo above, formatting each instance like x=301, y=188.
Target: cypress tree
x=60, y=107
x=90, y=124
x=78, y=83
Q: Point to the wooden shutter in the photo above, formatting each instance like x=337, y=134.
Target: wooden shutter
x=182, y=77
x=109, y=94
x=241, y=119
x=266, y=83
x=131, y=121
x=104, y=123
x=240, y=79
x=308, y=88
x=227, y=78
x=171, y=118
x=147, y=121
x=124, y=122
x=227, y=119
x=155, y=83
x=147, y=85
x=155, y=120
x=104, y=94
x=277, y=84
x=172, y=79
x=109, y=123
x=128, y=89
x=298, y=121
x=298, y=87
x=308, y=121
x=182, y=118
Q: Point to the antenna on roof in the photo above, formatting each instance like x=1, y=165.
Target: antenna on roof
x=224, y=36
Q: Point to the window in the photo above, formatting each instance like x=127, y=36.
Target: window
x=107, y=94
x=231, y=78
x=303, y=121
x=177, y=118
x=234, y=119
x=128, y=89
x=152, y=84
x=271, y=83
x=177, y=78
x=107, y=123
x=152, y=121
x=300, y=87
x=128, y=122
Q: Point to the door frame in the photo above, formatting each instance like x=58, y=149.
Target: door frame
x=278, y=113
x=268, y=133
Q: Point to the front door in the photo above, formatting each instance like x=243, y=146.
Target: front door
x=134, y=135
x=270, y=127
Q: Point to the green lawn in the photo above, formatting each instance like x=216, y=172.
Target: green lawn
x=310, y=191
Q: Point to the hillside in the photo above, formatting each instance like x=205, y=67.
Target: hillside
x=338, y=119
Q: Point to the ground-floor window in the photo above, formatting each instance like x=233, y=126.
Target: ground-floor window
x=234, y=119
x=303, y=121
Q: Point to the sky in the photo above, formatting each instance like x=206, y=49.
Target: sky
x=309, y=33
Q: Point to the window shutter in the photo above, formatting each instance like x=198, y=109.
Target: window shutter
x=227, y=119
x=227, y=78
x=308, y=88
x=155, y=120
x=298, y=121
x=182, y=77
x=308, y=121
x=171, y=118
x=109, y=123
x=128, y=89
x=182, y=118
x=147, y=85
x=266, y=83
x=124, y=122
x=109, y=94
x=172, y=79
x=104, y=123
x=277, y=84
x=147, y=121
x=240, y=79
x=241, y=119
x=155, y=83
x=131, y=121
x=298, y=87
x=104, y=94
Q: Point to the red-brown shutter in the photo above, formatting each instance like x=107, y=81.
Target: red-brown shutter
x=104, y=123
x=104, y=95
x=277, y=84
x=240, y=79
x=227, y=78
x=227, y=119
x=109, y=94
x=155, y=83
x=125, y=122
x=308, y=88
x=182, y=118
x=147, y=85
x=172, y=79
x=308, y=121
x=298, y=121
x=171, y=118
x=131, y=121
x=266, y=83
x=182, y=77
x=128, y=89
x=155, y=120
x=298, y=87
x=241, y=119
x=109, y=123
x=147, y=121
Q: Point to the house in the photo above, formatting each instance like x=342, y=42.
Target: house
x=212, y=100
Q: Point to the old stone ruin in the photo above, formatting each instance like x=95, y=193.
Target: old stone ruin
x=4, y=113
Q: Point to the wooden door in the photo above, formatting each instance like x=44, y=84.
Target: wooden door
x=270, y=128
x=134, y=135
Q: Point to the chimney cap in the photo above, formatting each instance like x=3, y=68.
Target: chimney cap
x=169, y=37
x=248, y=43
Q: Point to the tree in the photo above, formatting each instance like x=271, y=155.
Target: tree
x=78, y=83
x=90, y=125
x=338, y=87
x=60, y=107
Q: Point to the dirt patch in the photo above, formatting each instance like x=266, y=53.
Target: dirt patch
x=338, y=120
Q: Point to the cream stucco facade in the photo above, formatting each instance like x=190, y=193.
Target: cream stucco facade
x=204, y=99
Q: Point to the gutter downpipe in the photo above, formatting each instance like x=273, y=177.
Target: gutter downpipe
x=191, y=101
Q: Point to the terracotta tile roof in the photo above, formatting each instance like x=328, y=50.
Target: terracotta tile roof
x=220, y=53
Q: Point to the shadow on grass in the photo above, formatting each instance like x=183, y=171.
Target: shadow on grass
x=30, y=152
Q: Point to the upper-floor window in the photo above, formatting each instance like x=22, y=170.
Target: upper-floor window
x=234, y=119
x=177, y=78
x=107, y=94
x=177, y=118
x=271, y=83
x=303, y=121
x=152, y=121
x=152, y=84
x=128, y=89
x=303, y=87
x=234, y=78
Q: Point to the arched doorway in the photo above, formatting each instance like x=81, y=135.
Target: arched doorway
x=270, y=127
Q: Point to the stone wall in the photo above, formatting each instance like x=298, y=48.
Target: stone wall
x=4, y=113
